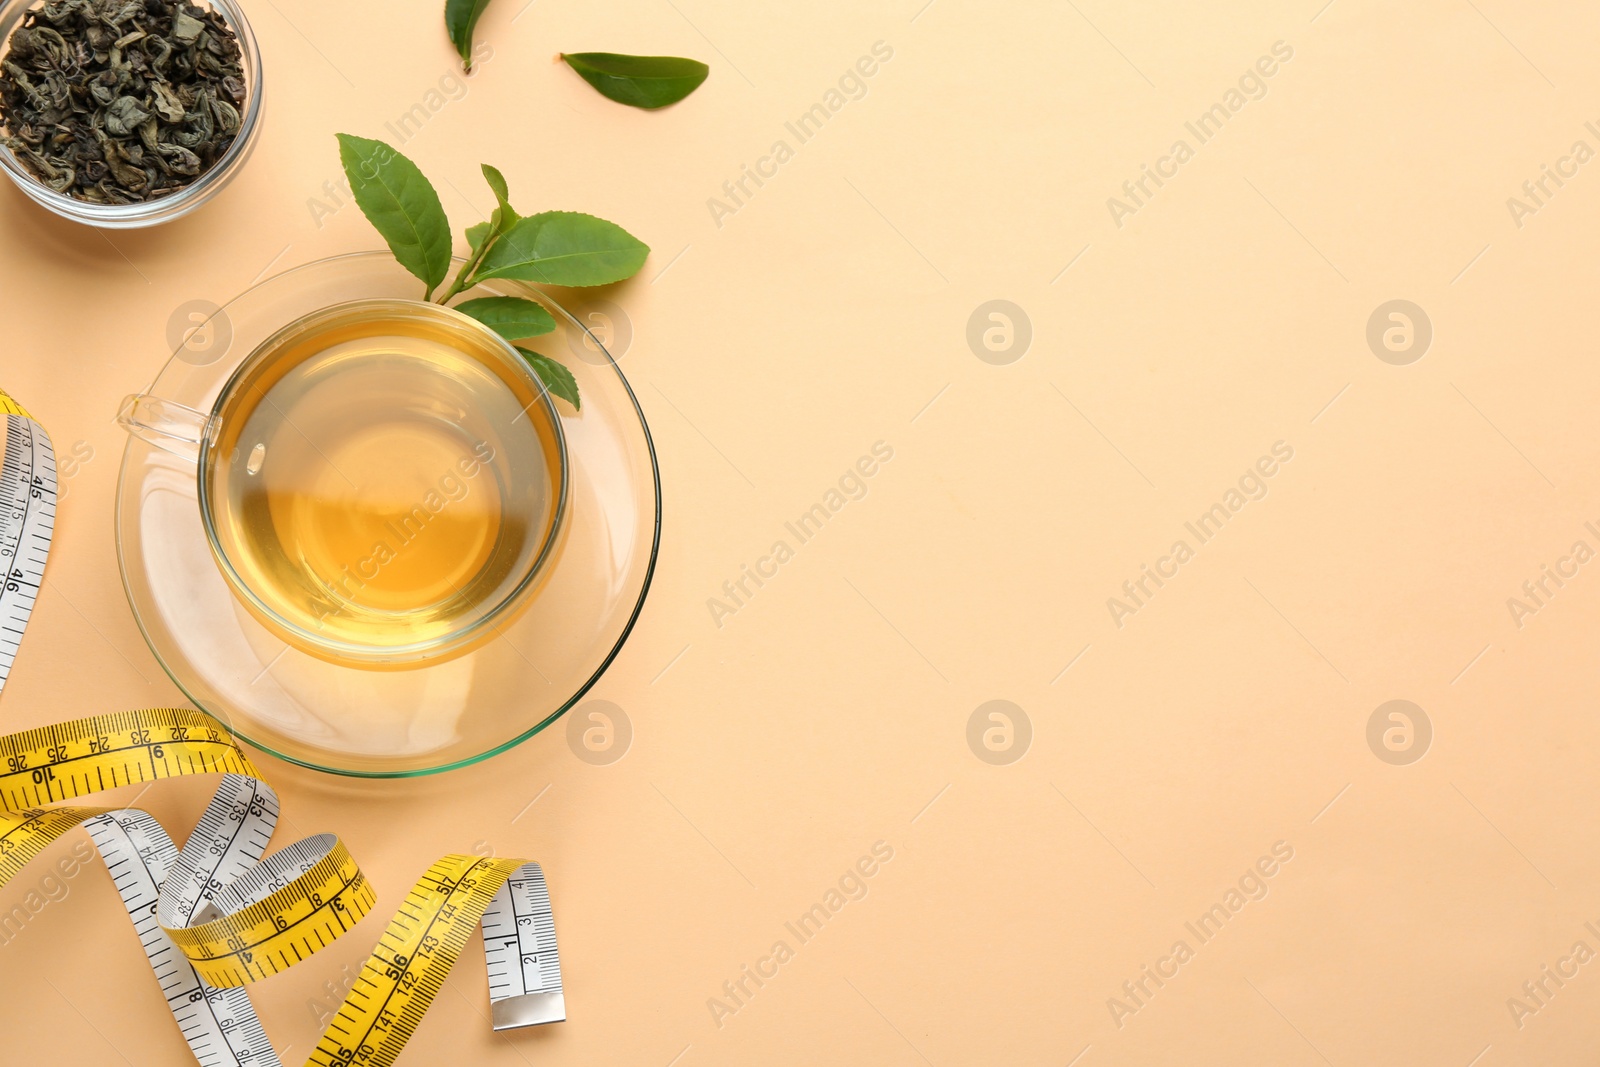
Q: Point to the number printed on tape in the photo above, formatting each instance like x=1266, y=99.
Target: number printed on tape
x=220, y=913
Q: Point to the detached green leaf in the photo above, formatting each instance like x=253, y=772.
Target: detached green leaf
x=402, y=204
x=647, y=82
x=556, y=378
x=460, y=17
x=564, y=248
x=511, y=317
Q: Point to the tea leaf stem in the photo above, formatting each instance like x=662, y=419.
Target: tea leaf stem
x=466, y=277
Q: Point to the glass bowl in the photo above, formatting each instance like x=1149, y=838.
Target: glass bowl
x=391, y=723
x=165, y=208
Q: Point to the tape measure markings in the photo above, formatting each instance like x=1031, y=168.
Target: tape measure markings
x=28, y=506
x=252, y=942
x=215, y=914
x=374, y=1033
x=216, y=1023
x=520, y=946
x=191, y=743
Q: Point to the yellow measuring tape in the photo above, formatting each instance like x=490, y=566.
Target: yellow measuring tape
x=218, y=913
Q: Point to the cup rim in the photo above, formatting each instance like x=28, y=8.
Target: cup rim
x=417, y=653
x=173, y=205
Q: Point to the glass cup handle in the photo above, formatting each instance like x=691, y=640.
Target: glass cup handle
x=169, y=426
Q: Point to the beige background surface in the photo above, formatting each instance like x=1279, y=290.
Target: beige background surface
x=831, y=711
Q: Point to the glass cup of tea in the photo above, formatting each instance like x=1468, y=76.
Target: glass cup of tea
x=383, y=483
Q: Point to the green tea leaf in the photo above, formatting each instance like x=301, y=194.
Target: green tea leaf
x=556, y=378
x=460, y=17
x=511, y=317
x=647, y=82
x=503, y=218
x=564, y=248
x=504, y=215
x=502, y=194
x=402, y=204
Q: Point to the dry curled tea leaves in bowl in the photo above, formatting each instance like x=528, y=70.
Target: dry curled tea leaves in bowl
x=120, y=101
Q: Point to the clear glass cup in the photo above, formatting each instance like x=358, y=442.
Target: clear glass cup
x=165, y=208
x=346, y=719
x=382, y=482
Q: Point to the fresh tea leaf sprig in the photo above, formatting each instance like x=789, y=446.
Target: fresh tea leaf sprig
x=566, y=248
x=646, y=82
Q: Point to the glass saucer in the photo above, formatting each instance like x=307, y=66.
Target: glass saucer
x=393, y=723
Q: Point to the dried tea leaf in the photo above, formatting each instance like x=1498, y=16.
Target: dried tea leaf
x=167, y=104
x=186, y=28
x=124, y=116
x=119, y=101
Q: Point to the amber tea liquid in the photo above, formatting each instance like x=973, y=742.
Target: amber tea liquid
x=381, y=483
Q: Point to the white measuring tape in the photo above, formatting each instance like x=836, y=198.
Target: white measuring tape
x=27, y=521
x=220, y=913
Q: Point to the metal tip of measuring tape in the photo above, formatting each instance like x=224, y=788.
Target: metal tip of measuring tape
x=531, y=1009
